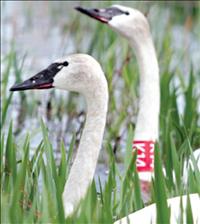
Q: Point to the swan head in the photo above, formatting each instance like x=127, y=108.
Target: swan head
x=129, y=22
x=79, y=73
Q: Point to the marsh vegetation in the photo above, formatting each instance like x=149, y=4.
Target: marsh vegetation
x=40, y=130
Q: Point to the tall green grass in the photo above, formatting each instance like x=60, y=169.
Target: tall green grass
x=32, y=186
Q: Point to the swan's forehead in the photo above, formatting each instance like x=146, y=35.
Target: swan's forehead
x=123, y=8
x=132, y=12
x=131, y=18
x=76, y=58
x=62, y=60
x=70, y=60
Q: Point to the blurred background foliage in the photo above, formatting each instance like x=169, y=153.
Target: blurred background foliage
x=36, y=33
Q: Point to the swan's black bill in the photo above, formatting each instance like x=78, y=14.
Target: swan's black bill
x=42, y=80
x=103, y=15
x=36, y=82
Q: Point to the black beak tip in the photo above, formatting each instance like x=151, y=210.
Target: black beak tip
x=80, y=9
x=21, y=86
x=77, y=8
x=16, y=87
x=13, y=88
x=94, y=13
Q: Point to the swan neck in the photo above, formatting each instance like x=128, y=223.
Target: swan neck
x=149, y=92
x=83, y=168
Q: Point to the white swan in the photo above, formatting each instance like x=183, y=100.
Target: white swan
x=133, y=25
x=148, y=214
x=79, y=73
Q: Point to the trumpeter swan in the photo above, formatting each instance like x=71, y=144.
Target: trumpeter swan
x=80, y=73
x=133, y=25
x=148, y=214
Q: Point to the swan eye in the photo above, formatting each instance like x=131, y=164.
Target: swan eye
x=127, y=13
x=65, y=63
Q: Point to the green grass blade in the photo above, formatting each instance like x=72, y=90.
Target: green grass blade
x=138, y=203
x=10, y=159
x=162, y=209
x=189, y=217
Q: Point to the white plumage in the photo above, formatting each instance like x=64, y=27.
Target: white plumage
x=79, y=73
